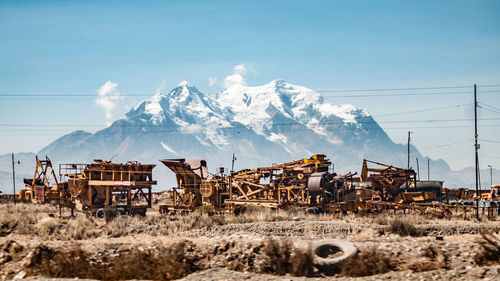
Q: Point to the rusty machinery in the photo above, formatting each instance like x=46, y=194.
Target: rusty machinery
x=93, y=188
x=302, y=183
x=189, y=173
x=387, y=180
x=102, y=185
x=39, y=189
x=306, y=183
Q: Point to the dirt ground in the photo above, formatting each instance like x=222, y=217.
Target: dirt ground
x=267, y=247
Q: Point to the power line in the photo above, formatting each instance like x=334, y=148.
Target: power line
x=233, y=128
x=397, y=95
x=393, y=89
x=245, y=126
x=30, y=97
x=356, y=90
x=489, y=141
x=489, y=105
x=490, y=110
x=100, y=125
x=409, y=94
x=143, y=93
x=423, y=110
x=447, y=144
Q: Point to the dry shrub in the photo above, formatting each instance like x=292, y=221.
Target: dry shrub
x=21, y=218
x=82, y=227
x=283, y=258
x=382, y=220
x=302, y=262
x=490, y=250
x=368, y=262
x=403, y=227
x=7, y=225
x=118, y=227
x=47, y=226
x=278, y=254
x=165, y=264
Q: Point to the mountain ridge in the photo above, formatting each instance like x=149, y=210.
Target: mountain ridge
x=273, y=123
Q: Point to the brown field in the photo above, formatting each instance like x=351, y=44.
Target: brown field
x=36, y=243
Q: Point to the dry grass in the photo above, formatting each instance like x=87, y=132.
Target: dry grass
x=370, y=261
x=283, y=258
x=403, y=227
x=22, y=217
x=42, y=220
x=490, y=250
x=165, y=264
x=302, y=262
x=278, y=253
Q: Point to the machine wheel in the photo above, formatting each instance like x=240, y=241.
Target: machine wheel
x=324, y=248
x=100, y=213
x=120, y=211
x=313, y=210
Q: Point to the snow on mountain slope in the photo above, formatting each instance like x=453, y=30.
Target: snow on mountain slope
x=288, y=98
x=273, y=123
x=249, y=104
x=182, y=123
x=298, y=117
x=184, y=109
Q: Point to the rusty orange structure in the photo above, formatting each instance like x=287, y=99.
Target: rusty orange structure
x=388, y=179
x=39, y=189
x=308, y=183
x=304, y=183
x=93, y=188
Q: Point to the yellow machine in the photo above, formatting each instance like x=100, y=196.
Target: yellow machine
x=39, y=189
x=493, y=194
x=104, y=185
x=92, y=188
x=302, y=183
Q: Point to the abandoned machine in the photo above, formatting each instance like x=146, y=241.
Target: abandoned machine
x=308, y=183
x=92, y=188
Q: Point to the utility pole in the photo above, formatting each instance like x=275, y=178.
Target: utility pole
x=232, y=163
x=476, y=147
x=491, y=175
x=409, y=139
x=418, y=170
x=14, y=178
x=428, y=169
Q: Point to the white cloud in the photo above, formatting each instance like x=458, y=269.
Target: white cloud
x=212, y=81
x=107, y=97
x=162, y=86
x=237, y=78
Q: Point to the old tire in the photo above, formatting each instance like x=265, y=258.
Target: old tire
x=323, y=248
x=100, y=213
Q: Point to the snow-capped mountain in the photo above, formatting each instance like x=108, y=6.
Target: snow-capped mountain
x=267, y=124
x=298, y=118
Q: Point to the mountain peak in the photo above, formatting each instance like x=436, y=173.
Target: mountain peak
x=184, y=90
x=277, y=82
x=184, y=84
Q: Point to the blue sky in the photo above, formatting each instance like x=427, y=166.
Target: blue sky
x=74, y=47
